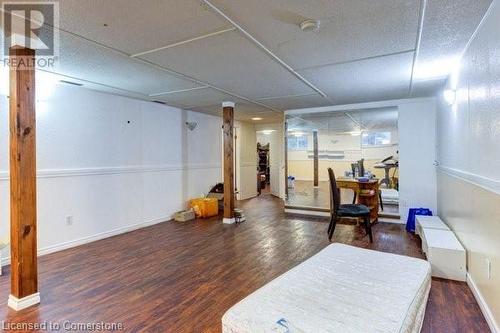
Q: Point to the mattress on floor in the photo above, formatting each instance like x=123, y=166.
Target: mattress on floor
x=341, y=289
x=390, y=196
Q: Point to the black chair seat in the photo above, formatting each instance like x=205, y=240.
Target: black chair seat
x=338, y=211
x=353, y=211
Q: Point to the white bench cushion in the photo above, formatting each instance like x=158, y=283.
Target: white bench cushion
x=429, y=222
x=341, y=289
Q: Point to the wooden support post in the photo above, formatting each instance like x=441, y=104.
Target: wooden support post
x=23, y=229
x=286, y=158
x=316, y=158
x=228, y=124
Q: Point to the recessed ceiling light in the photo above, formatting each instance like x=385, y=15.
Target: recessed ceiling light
x=310, y=25
x=256, y=118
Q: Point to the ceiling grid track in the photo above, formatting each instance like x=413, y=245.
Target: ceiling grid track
x=265, y=49
x=423, y=7
x=194, y=39
x=166, y=70
x=177, y=91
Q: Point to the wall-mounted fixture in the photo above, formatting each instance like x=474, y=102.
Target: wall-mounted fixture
x=191, y=125
x=298, y=134
x=267, y=132
x=450, y=96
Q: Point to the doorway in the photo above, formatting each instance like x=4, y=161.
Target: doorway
x=267, y=162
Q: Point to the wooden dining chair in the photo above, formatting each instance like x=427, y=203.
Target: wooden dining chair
x=337, y=210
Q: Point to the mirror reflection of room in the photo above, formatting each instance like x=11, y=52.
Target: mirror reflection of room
x=359, y=145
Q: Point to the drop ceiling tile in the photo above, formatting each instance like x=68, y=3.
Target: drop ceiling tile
x=349, y=29
x=427, y=88
x=375, y=79
x=448, y=26
x=267, y=117
x=243, y=107
x=231, y=62
x=136, y=25
x=87, y=61
x=195, y=98
x=296, y=102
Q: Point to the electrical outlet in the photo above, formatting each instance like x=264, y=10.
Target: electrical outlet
x=488, y=268
x=69, y=220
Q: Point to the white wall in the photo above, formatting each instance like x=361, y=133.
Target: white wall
x=469, y=157
x=417, y=155
x=111, y=175
x=246, y=154
x=350, y=145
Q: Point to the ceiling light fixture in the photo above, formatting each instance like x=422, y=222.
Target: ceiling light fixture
x=298, y=134
x=309, y=25
x=267, y=132
x=256, y=118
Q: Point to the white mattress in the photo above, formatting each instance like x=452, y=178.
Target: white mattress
x=341, y=289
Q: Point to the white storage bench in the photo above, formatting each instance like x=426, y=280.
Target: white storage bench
x=444, y=252
x=429, y=222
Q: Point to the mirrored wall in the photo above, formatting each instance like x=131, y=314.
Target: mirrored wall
x=346, y=142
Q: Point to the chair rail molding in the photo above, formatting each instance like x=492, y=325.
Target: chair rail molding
x=97, y=171
x=486, y=183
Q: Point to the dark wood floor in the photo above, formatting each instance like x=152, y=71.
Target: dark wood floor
x=182, y=277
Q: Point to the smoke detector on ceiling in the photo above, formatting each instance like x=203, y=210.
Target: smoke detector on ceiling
x=310, y=25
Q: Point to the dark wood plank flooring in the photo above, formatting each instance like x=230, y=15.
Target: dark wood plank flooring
x=182, y=277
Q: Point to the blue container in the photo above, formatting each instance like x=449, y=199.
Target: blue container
x=410, y=223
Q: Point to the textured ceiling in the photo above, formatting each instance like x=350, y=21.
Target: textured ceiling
x=340, y=122
x=194, y=55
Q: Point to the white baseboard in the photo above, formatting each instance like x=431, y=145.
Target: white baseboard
x=249, y=196
x=227, y=220
x=93, y=238
x=304, y=212
x=19, y=304
x=391, y=220
x=488, y=314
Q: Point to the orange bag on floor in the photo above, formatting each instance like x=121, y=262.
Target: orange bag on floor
x=205, y=207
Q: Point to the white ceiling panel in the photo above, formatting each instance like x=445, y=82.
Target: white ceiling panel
x=296, y=102
x=87, y=61
x=231, y=62
x=196, y=98
x=240, y=107
x=363, y=81
x=343, y=121
x=448, y=26
x=136, y=25
x=427, y=88
x=349, y=29
x=243, y=114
